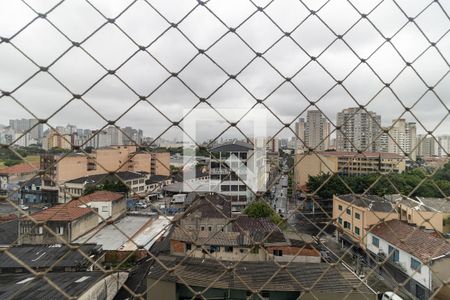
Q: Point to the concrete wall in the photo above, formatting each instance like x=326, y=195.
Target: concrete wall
x=161, y=163
x=119, y=208
x=30, y=235
x=162, y=290
x=440, y=274
x=83, y=225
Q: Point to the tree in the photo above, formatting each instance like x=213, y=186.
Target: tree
x=260, y=209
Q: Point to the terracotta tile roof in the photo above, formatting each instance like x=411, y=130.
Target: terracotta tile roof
x=20, y=169
x=423, y=245
x=101, y=196
x=62, y=212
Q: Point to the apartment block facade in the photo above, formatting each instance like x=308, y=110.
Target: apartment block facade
x=345, y=163
x=357, y=130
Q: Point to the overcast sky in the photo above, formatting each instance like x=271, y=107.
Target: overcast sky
x=146, y=71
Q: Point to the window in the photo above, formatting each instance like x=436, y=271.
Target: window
x=347, y=225
x=394, y=255
x=340, y=207
x=340, y=220
x=349, y=212
x=209, y=228
x=375, y=241
x=202, y=228
x=228, y=249
x=40, y=230
x=60, y=230
x=277, y=252
x=225, y=188
x=357, y=232
x=214, y=248
x=255, y=250
x=188, y=246
x=357, y=216
x=104, y=208
x=415, y=264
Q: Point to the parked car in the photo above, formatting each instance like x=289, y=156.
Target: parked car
x=141, y=205
x=24, y=207
x=390, y=296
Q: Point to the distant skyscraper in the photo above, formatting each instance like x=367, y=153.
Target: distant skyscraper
x=444, y=149
x=23, y=125
x=300, y=134
x=317, y=130
x=358, y=130
x=314, y=133
x=403, y=138
x=427, y=146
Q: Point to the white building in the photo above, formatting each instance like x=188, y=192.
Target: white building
x=409, y=252
x=249, y=176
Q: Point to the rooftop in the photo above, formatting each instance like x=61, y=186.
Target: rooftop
x=45, y=256
x=143, y=230
x=209, y=205
x=257, y=275
x=234, y=146
x=62, y=212
x=203, y=186
x=93, y=179
x=371, y=202
x=26, y=286
x=101, y=196
x=421, y=244
x=20, y=169
x=439, y=204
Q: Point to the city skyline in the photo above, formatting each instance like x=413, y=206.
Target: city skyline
x=332, y=85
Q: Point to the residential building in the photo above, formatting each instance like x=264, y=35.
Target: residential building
x=55, y=139
x=428, y=213
x=357, y=130
x=345, y=163
x=402, y=138
x=108, y=205
x=427, y=146
x=314, y=133
x=160, y=163
x=135, y=181
x=444, y=145
x=23, y=125
x=71, y=220
x=62, y=168
x=300, y=135
x=67, y=221
x=206, y=222
x=236, y=166
x=354, y=214
x=418, y=260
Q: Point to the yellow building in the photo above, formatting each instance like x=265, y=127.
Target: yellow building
x=354, y=214
x=345, y=163
x=102, y=161
x=428, y=213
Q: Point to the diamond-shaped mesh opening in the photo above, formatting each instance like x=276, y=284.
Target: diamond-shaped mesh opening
x=224, y=149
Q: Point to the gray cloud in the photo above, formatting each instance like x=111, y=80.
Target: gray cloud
x=143, y=73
